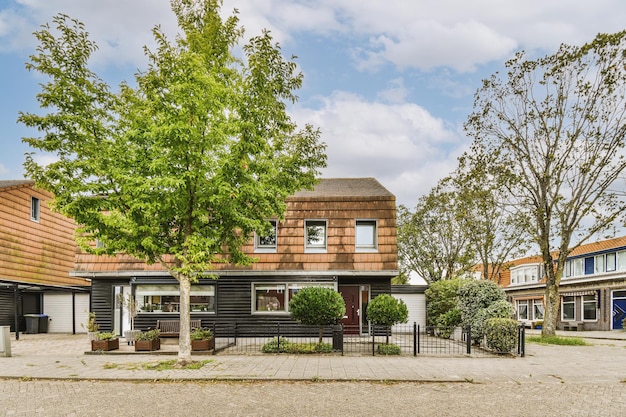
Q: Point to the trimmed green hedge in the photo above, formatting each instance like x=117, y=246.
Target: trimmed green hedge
x=501, y=334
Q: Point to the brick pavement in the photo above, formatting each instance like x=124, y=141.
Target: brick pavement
x=52, y=356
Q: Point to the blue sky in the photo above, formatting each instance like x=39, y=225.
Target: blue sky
x=389, y=83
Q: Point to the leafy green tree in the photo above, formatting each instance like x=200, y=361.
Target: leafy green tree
x=431, y=240
x=557, y=124
x=386, y=310
x=317, y=306
x=183, y=167
x=494, y=230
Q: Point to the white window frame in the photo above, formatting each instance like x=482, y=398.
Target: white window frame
x=360, y=227
x=599, y=264
x=621, y=260
x=578, y=267
x=572, y=302
x=521, y=303
x=589, y=299
x=525, y=274
x=35, y=209
x=260, y=247
x=287, y=289
x=610, y=262
x=149, y=293
x=321, y=247
x=538, y=305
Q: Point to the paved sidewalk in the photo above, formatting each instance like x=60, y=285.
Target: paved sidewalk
x=54, y=356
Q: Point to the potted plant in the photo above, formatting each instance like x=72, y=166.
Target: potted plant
x=202, y=339
x=105, y=341
x=91, y=326
x=148, y=340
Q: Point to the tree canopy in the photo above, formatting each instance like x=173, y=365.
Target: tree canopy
x=180, y=168
x=557, y=124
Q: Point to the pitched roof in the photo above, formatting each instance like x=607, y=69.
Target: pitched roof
x=15, y=183
x=346, y=188
x=589, y=248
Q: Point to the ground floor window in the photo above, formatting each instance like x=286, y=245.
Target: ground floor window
x=522, y=310
x=538, y=309
x=274, y=298
x=166, y=298
x=590, y=307
x=568, y=308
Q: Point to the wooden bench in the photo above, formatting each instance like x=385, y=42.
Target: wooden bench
x=171, y=328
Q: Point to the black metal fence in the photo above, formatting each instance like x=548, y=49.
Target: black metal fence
x=408, y=340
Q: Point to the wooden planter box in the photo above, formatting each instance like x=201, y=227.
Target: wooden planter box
x=105, y=345
x=197, y=345
x=147, y=345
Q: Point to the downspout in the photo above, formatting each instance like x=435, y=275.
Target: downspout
x=17, y=316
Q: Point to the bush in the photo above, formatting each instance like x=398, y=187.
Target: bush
x=317, y=306
x=501, y=334
x=272, y=345
x=201, y=334
x=387, y=310
x=441, y=298
x=289, y=347
x=105, y=336
x=148, y=335
x=480, y=301
x=388, y=349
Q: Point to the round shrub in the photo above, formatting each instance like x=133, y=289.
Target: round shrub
x=388, y=349
x=387, y=310
x=501, y=334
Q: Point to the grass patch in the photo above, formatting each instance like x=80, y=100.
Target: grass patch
x=557, y=340
x=157, y=366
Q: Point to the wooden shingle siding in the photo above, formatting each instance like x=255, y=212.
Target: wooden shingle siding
x=330, y=203
x=40, y=252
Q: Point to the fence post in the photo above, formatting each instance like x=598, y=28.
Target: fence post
x=342, y=342
x=414, y=338
x=373, y=339
x=469, y=340
x=521, y=345
x=418, y=338
x=235, y=334
x=278, y=335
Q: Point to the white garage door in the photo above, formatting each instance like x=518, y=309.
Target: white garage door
x=58, y=308
x=416, y=303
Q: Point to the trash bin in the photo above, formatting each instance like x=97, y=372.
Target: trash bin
x=338, y=338
x=32, y=323
x=43, y=323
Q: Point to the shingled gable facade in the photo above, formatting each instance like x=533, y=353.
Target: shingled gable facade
x=592, y=289
x=37, y=252
x=340, y=235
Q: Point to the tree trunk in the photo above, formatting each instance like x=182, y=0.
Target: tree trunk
x=184, y=340
x=321, y=335
x=552, y=311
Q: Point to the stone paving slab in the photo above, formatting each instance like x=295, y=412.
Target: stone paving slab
x=51, y=356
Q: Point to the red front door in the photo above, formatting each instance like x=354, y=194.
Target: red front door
x=351, y=321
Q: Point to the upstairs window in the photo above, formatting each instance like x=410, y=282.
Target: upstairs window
x=366, y=235
x=599, y=264
x=610, y=262
x=267, y=242
x=34, y=209
x=315, y=235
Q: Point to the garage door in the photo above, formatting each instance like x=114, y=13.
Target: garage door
x=58, y=308
x=416, y=304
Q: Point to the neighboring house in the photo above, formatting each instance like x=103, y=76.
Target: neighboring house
x=341, y=235
x=592, y=289
x=37, y=251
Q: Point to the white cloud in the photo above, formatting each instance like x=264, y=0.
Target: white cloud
x=402, y=145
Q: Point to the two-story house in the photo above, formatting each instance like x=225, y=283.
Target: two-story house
x=592, y=289
x=37, y=252
x=340, y=235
